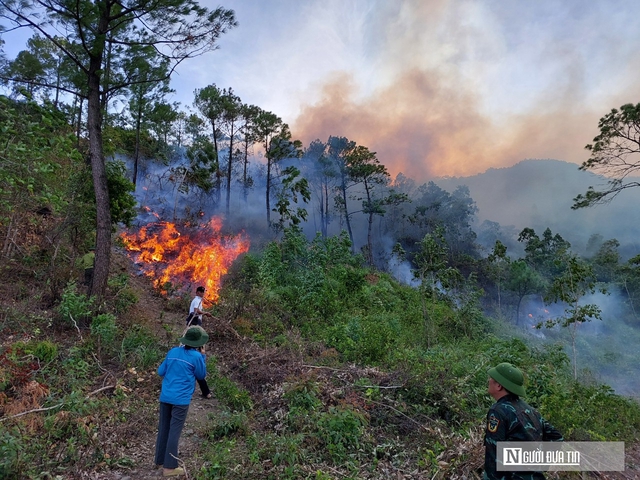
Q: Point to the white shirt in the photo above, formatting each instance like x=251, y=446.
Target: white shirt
x=196, y=303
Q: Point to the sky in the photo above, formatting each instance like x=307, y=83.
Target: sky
x=434, y=87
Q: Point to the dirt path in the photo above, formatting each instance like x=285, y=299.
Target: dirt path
x=144, y=446
x=154, y=314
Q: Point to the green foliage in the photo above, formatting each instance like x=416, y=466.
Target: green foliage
x=303, y=395
x=14, y=457
x=226, y=391
x=365, y=340
x=74, y=306
x=123, y=297
x=104, y=328
x=225, y=424
x=38, y=158
x=341, y=431
x=45, y=350
x=122, y=203
x=313, y=280
x=219, y=459
x=291, y=189
x=612, y=153
x=139, y=348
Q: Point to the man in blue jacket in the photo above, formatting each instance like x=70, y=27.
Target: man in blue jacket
x=179, y=370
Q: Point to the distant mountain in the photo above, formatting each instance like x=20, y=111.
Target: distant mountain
x=539, y=194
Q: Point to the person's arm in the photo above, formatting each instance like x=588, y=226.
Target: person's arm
x=549, y=432
x=496, y=431
x=162, y=369
x=199, y=311
x=201, y=365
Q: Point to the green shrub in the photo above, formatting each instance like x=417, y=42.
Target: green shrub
x=104, y=328
x=74, y=307
x=45, y=351
x=219, y=459
x=76, y=366
x=365, y=339
x=230, y=395
x=341, y=431
x=225, y=423
x=123, y=296
x=139, y=348
x=303, y=395
x=13, y=455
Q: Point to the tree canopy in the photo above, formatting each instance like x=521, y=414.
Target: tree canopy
x=615, y=153
x=96, y=38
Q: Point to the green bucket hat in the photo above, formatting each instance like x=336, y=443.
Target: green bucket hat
x=509, y=377
x=195, y=337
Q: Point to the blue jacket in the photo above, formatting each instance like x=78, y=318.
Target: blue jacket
x=179, y=370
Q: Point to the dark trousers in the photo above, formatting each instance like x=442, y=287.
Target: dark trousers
x=172, y=418
x=88, y=279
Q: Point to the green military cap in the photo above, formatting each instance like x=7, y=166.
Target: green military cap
x=194, y=337
x=509, y=377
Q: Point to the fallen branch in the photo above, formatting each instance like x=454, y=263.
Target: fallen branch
x=378, y=386
x=320, y=366
x=31, y=411
x=36, y=410
x=75, y=324
x=400, y=413
x=181, y=464
x=260, y=357
x=108, y=387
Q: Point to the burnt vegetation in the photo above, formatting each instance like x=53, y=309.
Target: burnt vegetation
x=351, y=341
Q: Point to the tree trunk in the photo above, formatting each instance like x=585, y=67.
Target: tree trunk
x=229, y=168
x=244, y=172
x=98, y=171
x=343, y=189
x=323, y=214
x=136, y=153
x=370, y=225
x=268, y=192
x=215, y=147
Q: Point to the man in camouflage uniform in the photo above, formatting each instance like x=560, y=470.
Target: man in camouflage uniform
x=511, y=419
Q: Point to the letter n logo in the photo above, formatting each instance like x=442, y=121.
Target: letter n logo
x=512, y=456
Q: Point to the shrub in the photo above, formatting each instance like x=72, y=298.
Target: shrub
x=226, y=391
x=123, y=296
x=74, y=306
x=341, y=431
x=139, y=348
x=226, y=423
x=13, y=455
x=104, y=328
x=45, y=351
x=365, y=339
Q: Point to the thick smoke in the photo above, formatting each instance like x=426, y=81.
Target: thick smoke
x=461, y=87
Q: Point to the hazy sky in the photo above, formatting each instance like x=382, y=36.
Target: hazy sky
x=435, y=87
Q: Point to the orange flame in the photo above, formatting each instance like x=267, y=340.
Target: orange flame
x=201, y=257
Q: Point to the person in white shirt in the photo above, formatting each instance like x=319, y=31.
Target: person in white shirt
x=196, y=311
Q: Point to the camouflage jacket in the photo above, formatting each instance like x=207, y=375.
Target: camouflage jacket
x=511, y=419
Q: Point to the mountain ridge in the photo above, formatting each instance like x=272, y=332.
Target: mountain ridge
x=539, y=194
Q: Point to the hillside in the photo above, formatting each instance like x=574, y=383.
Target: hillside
x=287, y=404
x=539, y=194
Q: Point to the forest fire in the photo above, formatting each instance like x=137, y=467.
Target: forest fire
x=177, y=256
